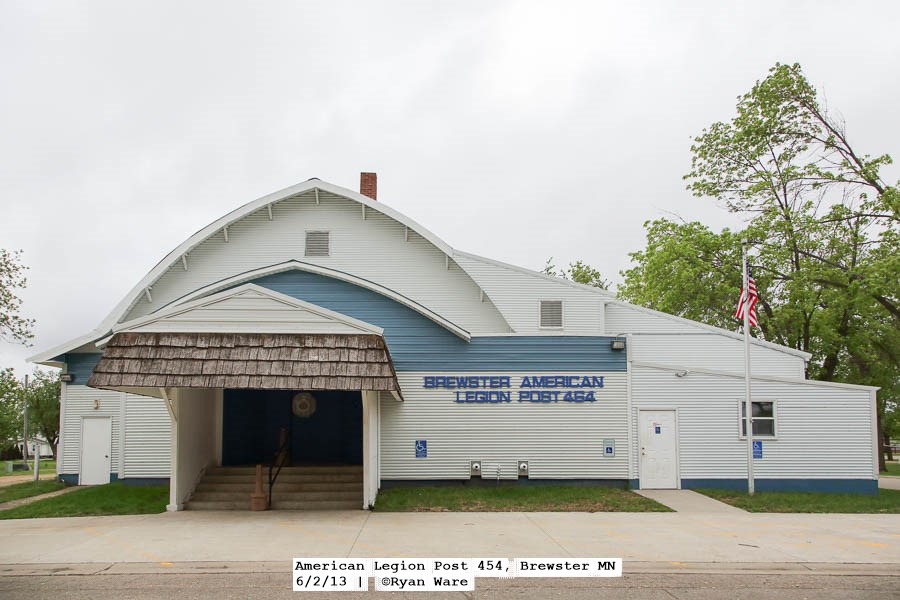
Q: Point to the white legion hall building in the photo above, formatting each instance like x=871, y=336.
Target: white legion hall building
x=320, y=329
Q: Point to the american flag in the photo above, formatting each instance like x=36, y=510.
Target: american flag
x=751, y=304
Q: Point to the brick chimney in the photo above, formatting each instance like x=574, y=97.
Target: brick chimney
x=368, y=185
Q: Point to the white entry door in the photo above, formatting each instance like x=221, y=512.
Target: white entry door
x=658, y=449
x=96, y=443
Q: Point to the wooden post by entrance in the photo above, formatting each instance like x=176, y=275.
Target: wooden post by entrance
x=258, y=500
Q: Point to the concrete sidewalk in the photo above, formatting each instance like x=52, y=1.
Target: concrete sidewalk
x=7, y=480
x=888, y=482
x=688, y=501
x=277, y=536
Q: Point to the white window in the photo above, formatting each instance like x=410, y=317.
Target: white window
x=551, y=314
x=763, y=419
x=317, y=243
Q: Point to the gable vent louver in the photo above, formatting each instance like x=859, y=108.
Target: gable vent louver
x=551, y=313
x=317, y=243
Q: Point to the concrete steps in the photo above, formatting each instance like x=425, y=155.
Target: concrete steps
x=307, y=487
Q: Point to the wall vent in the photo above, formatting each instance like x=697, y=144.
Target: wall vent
x=317, y=243
x=551, y=313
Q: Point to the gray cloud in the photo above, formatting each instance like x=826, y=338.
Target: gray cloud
x=516, y=130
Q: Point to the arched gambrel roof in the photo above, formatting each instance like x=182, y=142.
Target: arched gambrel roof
x=312, y=185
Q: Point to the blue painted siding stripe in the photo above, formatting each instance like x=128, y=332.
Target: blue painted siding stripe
x=72, y=479
x=846, y=486
x=419, y=344
x=80, y=366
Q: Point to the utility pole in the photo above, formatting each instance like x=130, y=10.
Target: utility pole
x=37, y=444
x=25, y=424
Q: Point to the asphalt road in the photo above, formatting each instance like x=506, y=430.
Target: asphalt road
x=271, y=586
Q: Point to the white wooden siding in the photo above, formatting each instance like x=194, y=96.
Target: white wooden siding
x=518, y=294
x=79, y=401
x=707, y=350
x=560, y=440
x=148, y=442
x=375, y=249
x=627, y=319
x=195, y=438
x=823, y=432
x=250, y=312
x=141, y=450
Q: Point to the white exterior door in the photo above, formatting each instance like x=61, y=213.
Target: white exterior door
x=96, y=443
x=658, y=441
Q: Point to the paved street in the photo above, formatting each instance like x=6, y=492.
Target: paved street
x=272, y=586
x=247, y=555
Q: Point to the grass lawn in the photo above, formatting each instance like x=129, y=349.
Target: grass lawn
x=28, y=489
x=528, y=498
x=47, y=466
x=893, y=468
x=887, y=501
x=111, y=499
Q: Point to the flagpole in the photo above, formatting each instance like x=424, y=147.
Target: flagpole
x=748, y=404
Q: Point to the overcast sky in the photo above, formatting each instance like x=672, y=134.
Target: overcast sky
x=515, y=130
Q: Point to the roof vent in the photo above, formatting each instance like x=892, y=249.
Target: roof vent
x=552, y=313
x=317, y=243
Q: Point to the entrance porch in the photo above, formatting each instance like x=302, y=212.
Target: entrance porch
x=239, y=400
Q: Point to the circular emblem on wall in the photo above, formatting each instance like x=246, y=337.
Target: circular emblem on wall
x=303, y=405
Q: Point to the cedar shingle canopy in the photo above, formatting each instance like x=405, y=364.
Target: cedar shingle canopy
x=246, y=361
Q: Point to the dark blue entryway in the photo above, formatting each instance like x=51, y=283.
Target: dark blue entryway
x=252, y=421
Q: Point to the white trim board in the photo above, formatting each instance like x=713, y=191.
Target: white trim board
x=675, y=369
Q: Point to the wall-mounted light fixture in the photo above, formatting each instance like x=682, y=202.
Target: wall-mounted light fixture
x=96, y=403
x=617, y=344
x=67, y=377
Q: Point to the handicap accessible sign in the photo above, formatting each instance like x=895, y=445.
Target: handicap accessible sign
x=421, y=448
x=757, y=448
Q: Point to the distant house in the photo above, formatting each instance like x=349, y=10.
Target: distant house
x=321, y=324
x=36, y=444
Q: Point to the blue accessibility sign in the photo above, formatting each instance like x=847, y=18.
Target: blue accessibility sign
x=609, y=447
x=757, y=448
x=421, y=448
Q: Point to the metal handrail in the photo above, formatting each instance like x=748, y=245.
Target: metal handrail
x=278, y=462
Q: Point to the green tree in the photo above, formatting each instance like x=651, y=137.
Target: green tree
x=686, y=270
x=823, y=231
x=891, y=427
x=43, y=395
x=579, y=272
x=13, y=327
x=787, y=162
x=10, y=410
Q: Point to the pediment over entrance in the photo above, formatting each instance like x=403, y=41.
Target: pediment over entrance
x=248, y=309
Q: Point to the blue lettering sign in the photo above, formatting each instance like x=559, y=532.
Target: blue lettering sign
x=535, y=389
x=482, y=397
